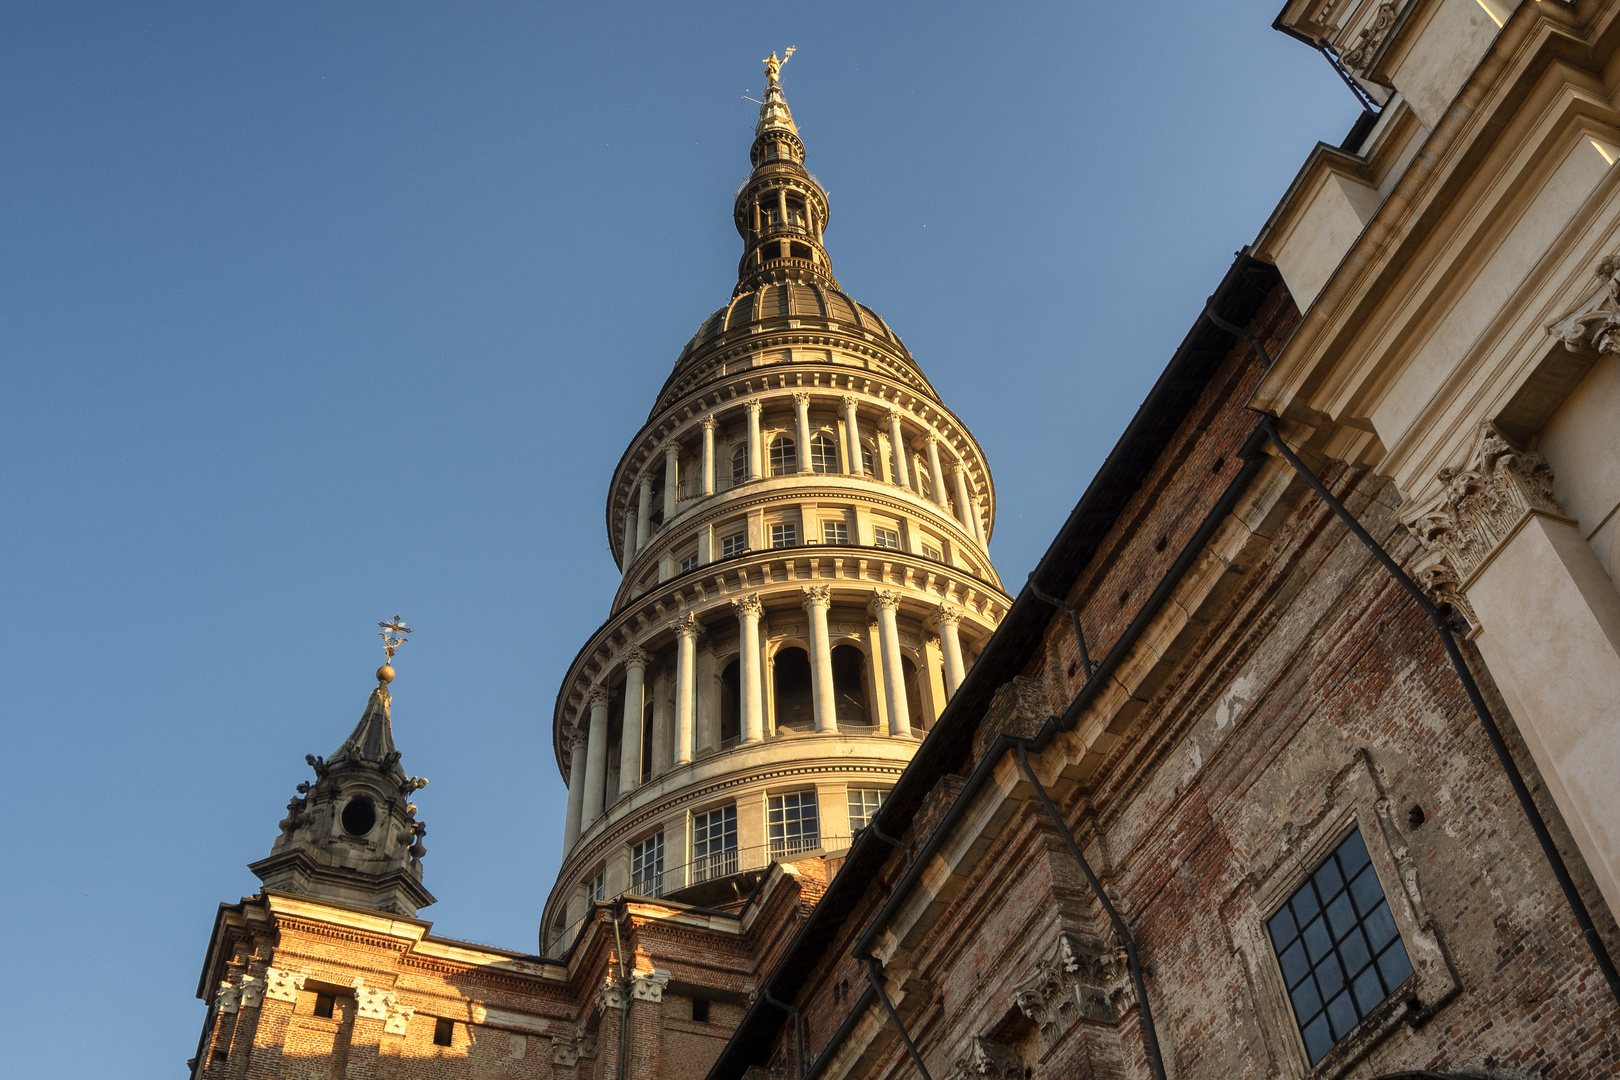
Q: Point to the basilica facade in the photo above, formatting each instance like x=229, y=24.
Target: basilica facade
x=1293, y=758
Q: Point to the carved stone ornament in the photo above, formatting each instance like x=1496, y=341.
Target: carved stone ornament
x=371, y=1003
x=1370, y=39
x=945, y=615
x=801, y=398
x=884, y=599
x=636, y=656
x=1595, y=324
x=573, y=737
x=1481, y=504
x=649, y=985
x=1075, y=982
x=610, y=995
x=688, y=626
x=252, y=989
x=399, y=1016
x=988, y=1059
x=709, y=422
x=563, y=1051
x=748, y=606
x=816, y=594
x=284, y=985
x=229, y=997
x=598, y=695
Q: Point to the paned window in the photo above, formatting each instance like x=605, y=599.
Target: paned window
x=647, y=867
x=823, y=454
x=863, y=803
x=834, y=532
x=933, y=553
x=689, y=563
x=598, y=885
x=1338, y=946
x=714, y=844
x=784, y=455
x=925, y=486
x=735, y=544
x=886, y=538
x=793, y=823
x=739, y=463
x=783, y=536
x=868, y=463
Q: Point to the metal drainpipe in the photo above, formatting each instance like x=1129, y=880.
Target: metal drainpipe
x=798, y=1027
x=1537, y=825
x=1150, y=1033
x=1074, y=616
x=624, y=1013
x=876, y=979
x=887, y=839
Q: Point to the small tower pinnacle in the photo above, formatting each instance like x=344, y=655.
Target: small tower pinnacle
x=352, y=836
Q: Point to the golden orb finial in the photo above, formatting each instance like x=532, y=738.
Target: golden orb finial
x=385, y=674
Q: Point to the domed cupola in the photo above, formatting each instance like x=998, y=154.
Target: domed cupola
x=803, y=529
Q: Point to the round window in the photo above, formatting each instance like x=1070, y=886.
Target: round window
x=359, y=816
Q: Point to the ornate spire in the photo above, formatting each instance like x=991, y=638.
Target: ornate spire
x=352, y=836
x=781, y=209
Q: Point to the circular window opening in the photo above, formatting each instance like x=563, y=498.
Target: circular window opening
x=359, y=816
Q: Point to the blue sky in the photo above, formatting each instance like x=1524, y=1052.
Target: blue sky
x=311, y=313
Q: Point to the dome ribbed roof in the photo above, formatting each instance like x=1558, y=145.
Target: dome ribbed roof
x=772, y=303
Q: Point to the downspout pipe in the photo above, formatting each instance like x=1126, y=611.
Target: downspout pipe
x=1538, y=825
x=1150, y=1033
x=1074, y=617
x=874, y=975
x=624, y=987
x=798, y=1028
x=891, y=841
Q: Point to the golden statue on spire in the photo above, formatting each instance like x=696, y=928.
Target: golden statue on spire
x=773, y=67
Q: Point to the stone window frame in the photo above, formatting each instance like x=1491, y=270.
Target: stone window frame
x=879, y=538
x=1356, y=798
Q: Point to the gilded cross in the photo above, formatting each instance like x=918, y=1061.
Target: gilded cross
x=393, y=635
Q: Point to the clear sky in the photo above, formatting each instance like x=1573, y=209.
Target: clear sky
x=316, y=312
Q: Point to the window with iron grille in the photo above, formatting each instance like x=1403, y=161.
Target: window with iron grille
x=863, y=803
x=714, y=844
x=647, y=867
x=886, y=538
x=1338, y=946
x=823, y=454
x=794, y=825
x=734, y=545
x=783, y=536
x=784, y=455
x=598, y=885
x=834, y=532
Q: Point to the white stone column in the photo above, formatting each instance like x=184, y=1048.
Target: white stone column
x=756, y=457
x=852, y=436
x=817, y=598
x=686, y=632
x=947, y=618
x=709, y=424
x=938, y=472
x=672, y=480
x=874, y=664
x=573, y=741
x=596, y=748
x=629, y=534
x=661, y=750
x=751, y=678
x=897, y=449
x=886, y=606
x=964, y=503
x=801, y=406
x=644, y=513
x=635, y=707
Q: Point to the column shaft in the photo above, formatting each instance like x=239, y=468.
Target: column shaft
x=939, y=473
x=635, y=680
x=595, y=759
x=817, y=598
x=894, y=674
x=801, y=405
x=951, y=641
x=629, y=537
x=897, y=449
x=852, y=436
x=751, y=683
x=644, y=514
x=685, y=689
x=709, y=425
x=576, y=791
x=756, y=460
x=965, y=512
x=672, y=481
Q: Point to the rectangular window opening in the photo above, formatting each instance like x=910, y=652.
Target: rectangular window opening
x=886, y=538
x=700, y=1010
x=794, y=824
x=863, y=804
x=647, y=867
x=784, y=536
x=1339, y=949
x=714, y=844
x=834, y=532
x=733, y=545
x=444, y=1032
x=324, y=1005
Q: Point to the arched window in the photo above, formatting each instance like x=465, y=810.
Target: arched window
x=784, y=455
x=914, y=703
x=868, y=462
x=794, y=706
x=730, y=704
x=823, y=454
x=849, y=685
x=739, y=463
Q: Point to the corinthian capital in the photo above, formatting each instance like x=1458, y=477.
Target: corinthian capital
x=801, y=398
x=748, y=606
x=816, y=594
x=636, y=656
x=709, y=423
x=1595, y=323
x=753, y=406
x=598, y=695
x=945, y=615
x=884, y=600
x=850, y=401
x=894, y=416
x=571, y=738
x=1481, y=504
x=687, y=626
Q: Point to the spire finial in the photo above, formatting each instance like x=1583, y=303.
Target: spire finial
x=393, y=635
x=773, y=67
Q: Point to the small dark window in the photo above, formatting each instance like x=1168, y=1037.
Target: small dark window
x=324, y=1004
x=1416, y=816
x=1163, y=540
x=444, y=1032
x=1220, y=463
x=700, y=1010
x=222, y=1053
x=359, y=816
x=1338, y=946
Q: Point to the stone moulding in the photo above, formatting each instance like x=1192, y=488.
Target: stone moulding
x=1480, y=506
x=985, y=1058
x=1075, y=981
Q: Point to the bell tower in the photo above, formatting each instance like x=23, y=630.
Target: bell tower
x=352, y=836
